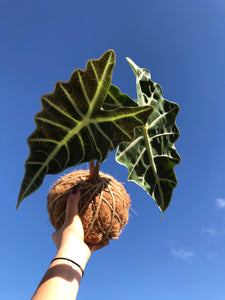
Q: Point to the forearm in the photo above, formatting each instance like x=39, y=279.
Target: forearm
x=61, y=281
x=63, y=277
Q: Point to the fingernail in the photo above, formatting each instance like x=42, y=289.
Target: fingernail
x=74, y=190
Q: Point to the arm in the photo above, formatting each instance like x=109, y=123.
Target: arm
x=62, y=279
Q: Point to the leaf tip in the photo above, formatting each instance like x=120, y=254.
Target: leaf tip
x=111, y=53
x=20, y=199
x=134, y=67
x=17, y=205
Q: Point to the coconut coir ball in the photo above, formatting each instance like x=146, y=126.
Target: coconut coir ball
x=103, y=206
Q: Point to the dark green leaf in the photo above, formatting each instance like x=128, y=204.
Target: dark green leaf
x=72, y=128
x=151, y=156
x=115, y=99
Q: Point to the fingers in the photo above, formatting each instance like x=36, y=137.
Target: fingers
x=72, y=205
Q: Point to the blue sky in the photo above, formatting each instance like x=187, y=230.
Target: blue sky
x=182, y=44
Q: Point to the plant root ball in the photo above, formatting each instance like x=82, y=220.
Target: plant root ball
x=103, y=206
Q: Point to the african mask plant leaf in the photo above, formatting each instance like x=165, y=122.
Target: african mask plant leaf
x=115, y=99
x=151, y=156
x=72, y=128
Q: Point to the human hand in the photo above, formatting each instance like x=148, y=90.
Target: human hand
x=70, y=238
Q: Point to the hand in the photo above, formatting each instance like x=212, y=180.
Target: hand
x=70, y=238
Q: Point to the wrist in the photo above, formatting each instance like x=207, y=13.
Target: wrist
x=78, y=251
x=68, y=262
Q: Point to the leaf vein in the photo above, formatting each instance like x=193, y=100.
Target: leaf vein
x=132, y=144
x=58, y=109
x=71, y=101
x=52, y=123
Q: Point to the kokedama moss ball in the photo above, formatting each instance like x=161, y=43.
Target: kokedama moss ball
x=103, y=207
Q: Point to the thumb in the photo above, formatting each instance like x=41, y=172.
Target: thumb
x=72, y=206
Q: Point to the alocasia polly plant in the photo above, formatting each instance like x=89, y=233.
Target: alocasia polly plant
x=151, y=156
x=85, y=118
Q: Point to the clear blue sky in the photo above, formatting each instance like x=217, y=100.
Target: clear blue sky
x=182, y=42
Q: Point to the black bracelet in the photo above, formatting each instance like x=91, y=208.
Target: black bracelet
x=82, y=271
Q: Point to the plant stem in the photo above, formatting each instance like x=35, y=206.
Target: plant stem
x=94, y=172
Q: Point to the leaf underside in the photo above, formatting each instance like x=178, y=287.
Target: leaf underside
x=73, y=127
x=151, y=156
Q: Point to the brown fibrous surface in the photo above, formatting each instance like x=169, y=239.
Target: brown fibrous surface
x=103, y=206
